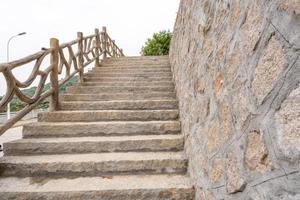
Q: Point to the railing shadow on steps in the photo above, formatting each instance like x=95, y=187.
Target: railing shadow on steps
x=92, y=48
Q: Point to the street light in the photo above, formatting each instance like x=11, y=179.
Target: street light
x=7, y=54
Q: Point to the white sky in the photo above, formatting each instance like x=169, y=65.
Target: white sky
x=129, y=22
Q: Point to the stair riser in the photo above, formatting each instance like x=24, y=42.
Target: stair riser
x=129, y=75
x=15, y=148
x=109, y=129
x=151, y=61
x=107, y=89
x=137, y=62
x=118, y=79
x=134, y=194
x=108, y=105
x=101, y=168
x=128, y=84
x=133, y=66
x=90, y=116
x=118, y=70
x=118, y=96
x=134, y=58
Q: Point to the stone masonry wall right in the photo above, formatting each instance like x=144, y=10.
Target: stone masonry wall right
x=236, y=67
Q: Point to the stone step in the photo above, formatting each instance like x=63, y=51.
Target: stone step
x=135, y=187
x=118, y=79
x=142, y=62
x=77, y=145
x=135, y=65
x=114, y=128
x=127, y=83
x=119, y=105
x=107, y=115
x=156, y=58
x=134, y=60
x=129, y=69
x=154, y=61
x=129, y=75
x=100, y=89
x=129, y=60
x=94, y=164
x=119, y=96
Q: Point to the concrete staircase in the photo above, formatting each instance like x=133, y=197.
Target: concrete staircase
x=117, y=136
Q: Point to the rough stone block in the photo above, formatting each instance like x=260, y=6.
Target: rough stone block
x=268, y=69
x=288, y=125
x=256, y=156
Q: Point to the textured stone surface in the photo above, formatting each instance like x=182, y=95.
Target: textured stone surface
x=128, y=83
x=256, y=155
x=107, y=115
x=118, y=96
x=130, y=74
x=252, y=27
x=160, y=187
x=236, y=66
x=93, y=164
x=119, y=105
x=117, y=79
x=70, y=129
x=62, y=145
x=235, y=182
x=269, y=67
x=291, y=6
x=288, y=125
x=212, y=136
x=100, y=132
x=226, y=121
x=217, y=170
x=100, y=89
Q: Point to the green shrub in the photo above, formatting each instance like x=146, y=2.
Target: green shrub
x=158, y=45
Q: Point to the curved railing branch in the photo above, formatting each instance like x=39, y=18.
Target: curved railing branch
x=81, y=52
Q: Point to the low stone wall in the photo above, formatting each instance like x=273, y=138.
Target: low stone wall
x=236, y=66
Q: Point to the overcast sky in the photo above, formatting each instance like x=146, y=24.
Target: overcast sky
x=129, y=22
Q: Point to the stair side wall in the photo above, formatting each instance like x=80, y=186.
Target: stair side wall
x=236, y=68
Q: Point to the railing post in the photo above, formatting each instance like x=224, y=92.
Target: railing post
x=104, y=47
x=97, y=48
x=80, y=55
x=114, y=48
x=121, y=52
x=54, y=45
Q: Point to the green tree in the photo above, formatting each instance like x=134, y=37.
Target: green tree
x=158, y=45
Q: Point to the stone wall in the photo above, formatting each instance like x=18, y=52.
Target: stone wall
x=236, y=66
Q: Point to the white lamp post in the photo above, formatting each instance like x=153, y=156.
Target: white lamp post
x=7, y=54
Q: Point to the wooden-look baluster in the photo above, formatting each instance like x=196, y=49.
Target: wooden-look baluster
x=121, y=53
x=104, y=47
x=97, y=48
x=54, y=45
x=80, y=55
x=114, y=48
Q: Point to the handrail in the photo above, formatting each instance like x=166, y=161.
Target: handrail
x=80, y=53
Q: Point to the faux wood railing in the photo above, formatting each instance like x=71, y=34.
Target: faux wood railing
x=72, y=57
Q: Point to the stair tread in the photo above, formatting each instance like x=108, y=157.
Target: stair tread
x=109, y=111
x=126, y=182
x=93, y=157
x=123, y=101
x=100, y=128
x=116, y=136
x=103, y=122
x=133, y=86
x=97, y=139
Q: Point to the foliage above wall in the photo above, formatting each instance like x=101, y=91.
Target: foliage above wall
x=158, y=45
